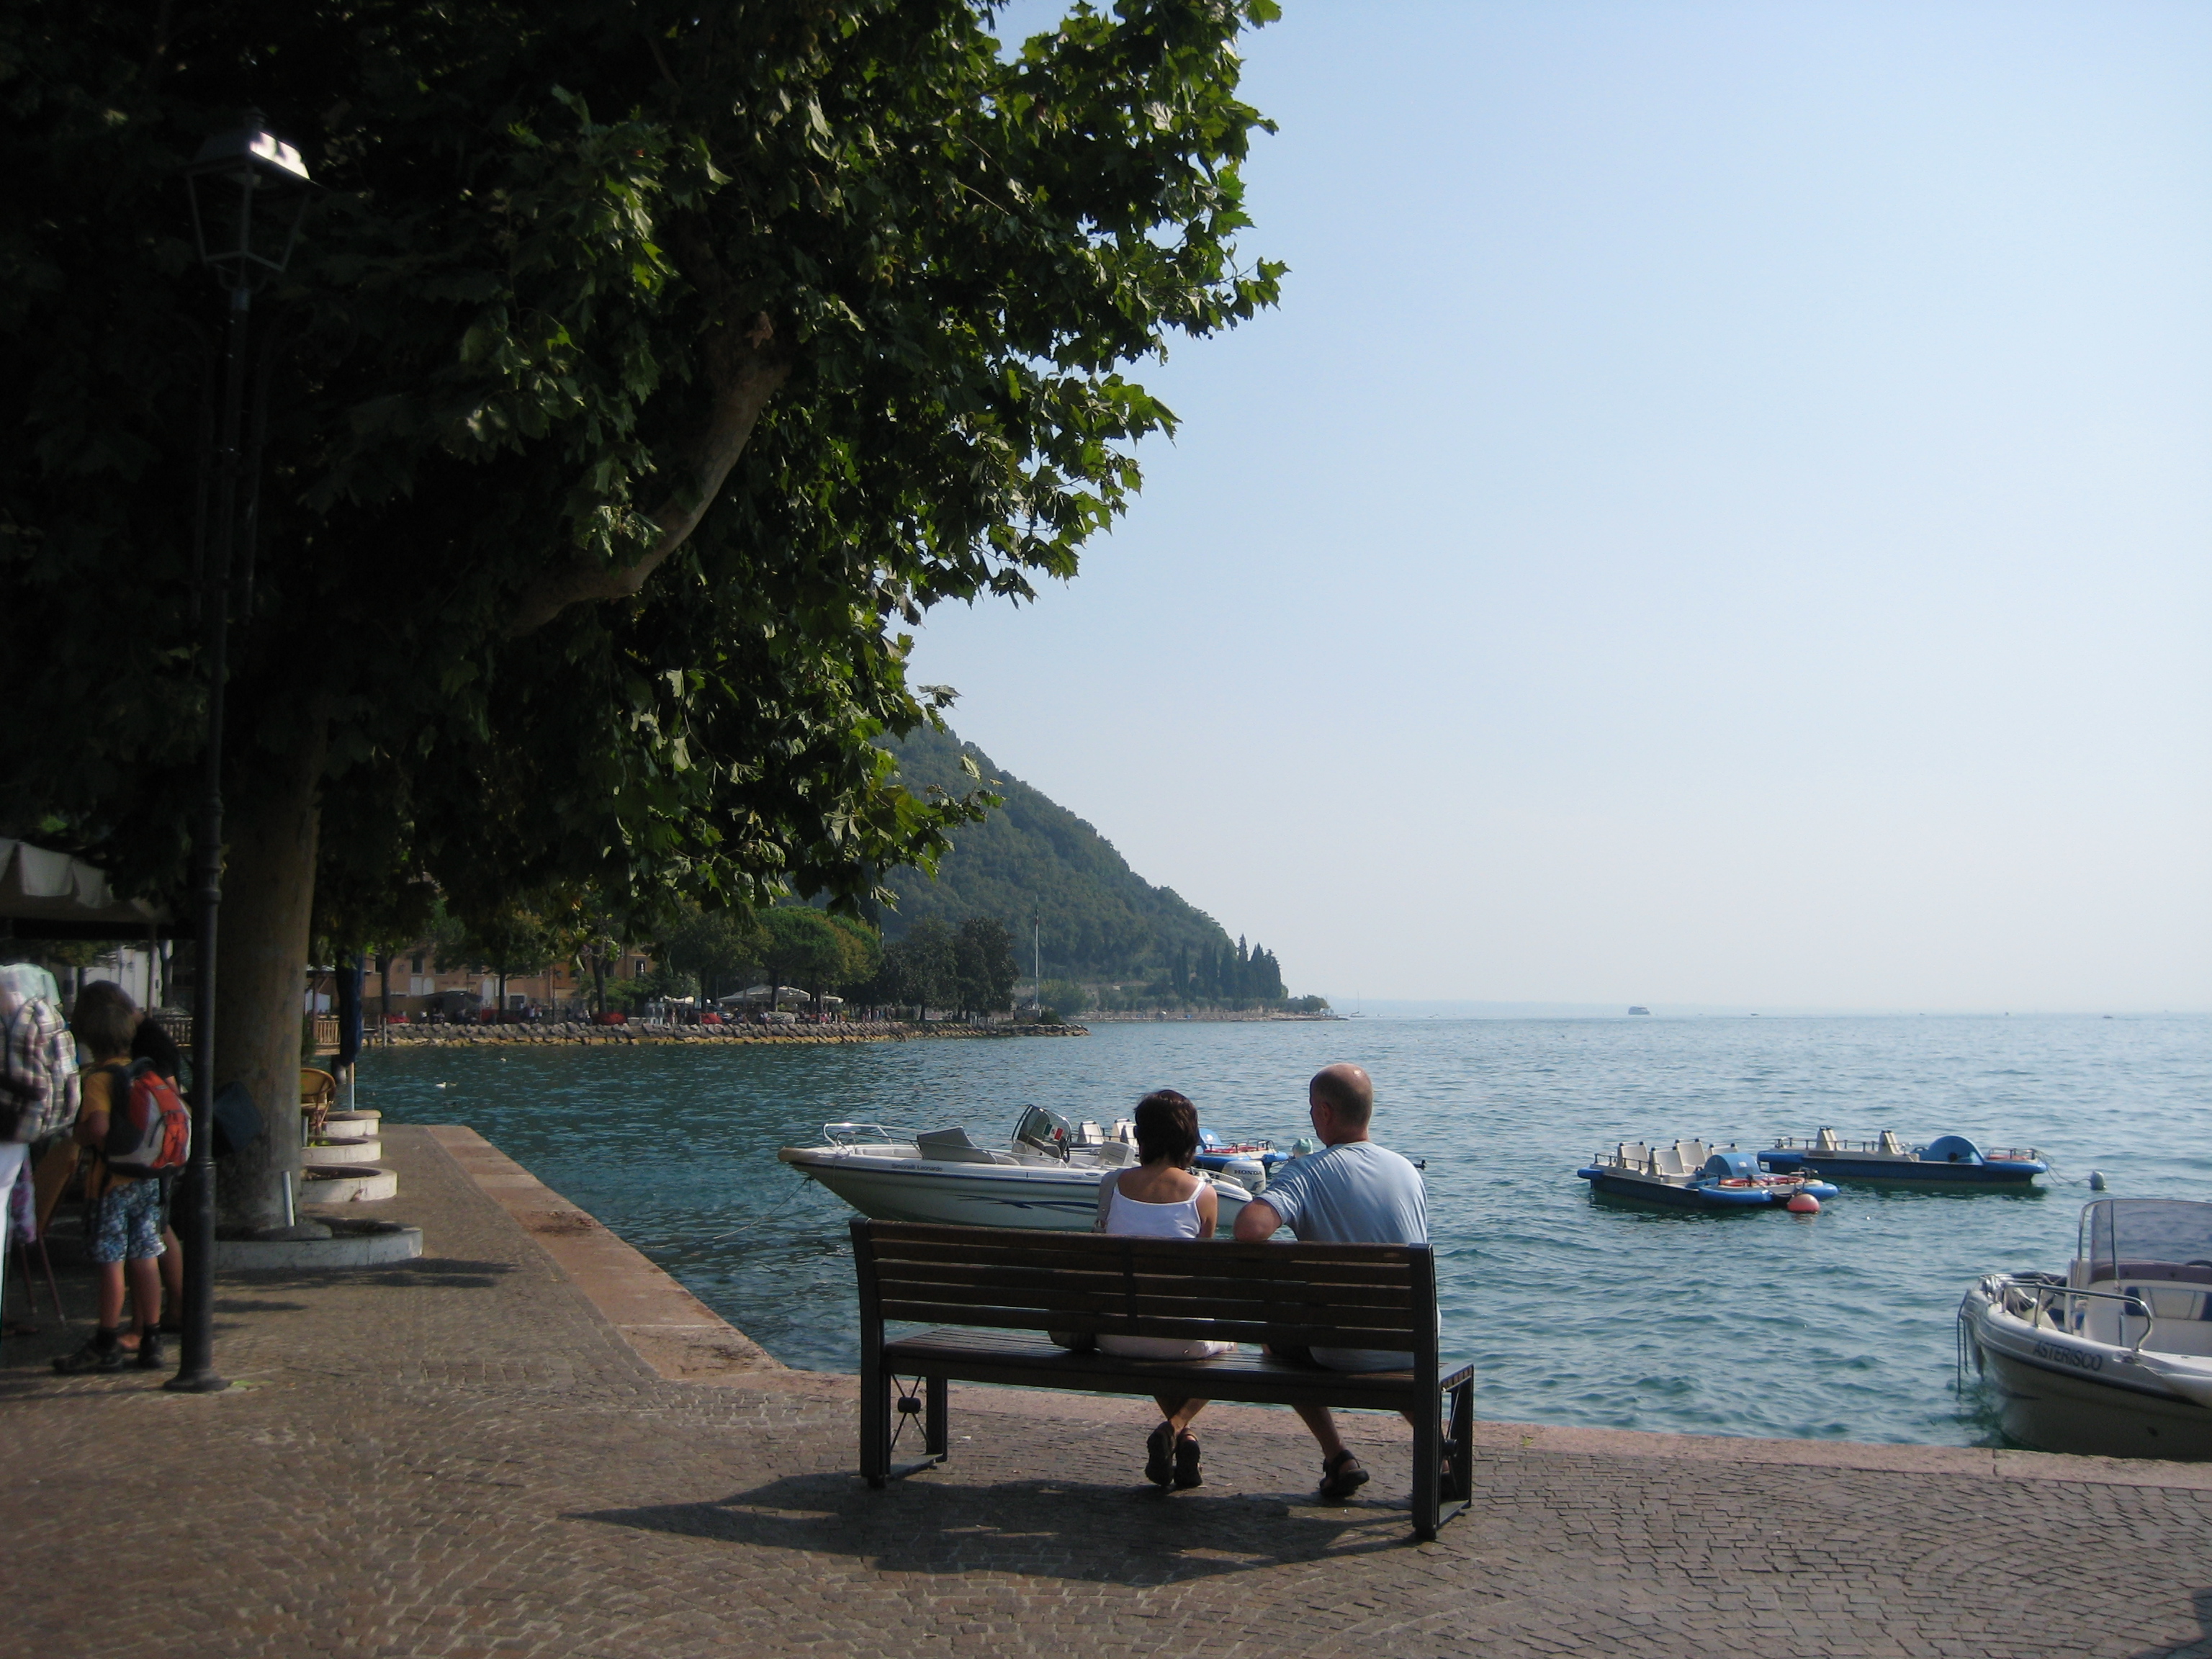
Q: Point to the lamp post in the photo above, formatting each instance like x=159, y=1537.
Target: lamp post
x=249, y=192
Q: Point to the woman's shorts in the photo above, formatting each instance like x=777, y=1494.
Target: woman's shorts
x=126, y=1226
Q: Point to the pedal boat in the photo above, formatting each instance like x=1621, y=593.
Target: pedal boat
x=1247, y=1163
x=2114, y=1359
x=1692, y=1174
x=1047, y=1177
x=1952, y=1160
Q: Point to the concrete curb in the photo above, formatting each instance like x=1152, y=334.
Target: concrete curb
x=671, y=1330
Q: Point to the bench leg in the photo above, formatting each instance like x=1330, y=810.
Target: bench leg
x=1428, y=1456
x=1460, y=1493
x=936, y=1421
x=875, y=1422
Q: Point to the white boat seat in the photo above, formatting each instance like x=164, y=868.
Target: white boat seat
x=1891, y=1144
x=1825, y=1141
x=953, y=1147
x=2172, y=1303
x=1667, y=1162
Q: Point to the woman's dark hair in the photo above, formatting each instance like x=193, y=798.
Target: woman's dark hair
x=1167, y=1127
x=103, y=1020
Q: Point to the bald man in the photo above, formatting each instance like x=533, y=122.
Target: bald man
x=1352, y=1192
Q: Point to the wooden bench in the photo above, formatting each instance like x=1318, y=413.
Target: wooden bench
x=1002, y=1288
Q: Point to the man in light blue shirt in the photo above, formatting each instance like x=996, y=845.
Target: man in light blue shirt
x=1353, y=1192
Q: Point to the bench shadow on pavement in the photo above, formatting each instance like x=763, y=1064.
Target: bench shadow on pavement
x=1062, y=1528
x=2201, y=1600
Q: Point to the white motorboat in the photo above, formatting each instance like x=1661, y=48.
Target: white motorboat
x=2115, y=1359
x=1047, y=1177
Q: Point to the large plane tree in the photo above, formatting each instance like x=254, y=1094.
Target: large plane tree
x=645, y=369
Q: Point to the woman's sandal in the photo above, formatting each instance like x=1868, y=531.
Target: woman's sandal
x=1160, y=1455
x=1186, y=1461
x=1340, y=1476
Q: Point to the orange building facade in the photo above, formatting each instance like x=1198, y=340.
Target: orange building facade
x=415, y=975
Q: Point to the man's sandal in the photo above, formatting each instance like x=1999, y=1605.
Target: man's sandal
x=1340, y=1476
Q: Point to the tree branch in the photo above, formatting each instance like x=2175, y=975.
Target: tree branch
x=747, y=373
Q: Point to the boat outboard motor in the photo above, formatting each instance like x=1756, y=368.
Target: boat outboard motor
x=1044, y=1132
x=1246, y=1172
x=1951, y=1149
x=1732, y=1166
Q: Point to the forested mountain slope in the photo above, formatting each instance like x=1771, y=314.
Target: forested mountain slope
x=1033, y=859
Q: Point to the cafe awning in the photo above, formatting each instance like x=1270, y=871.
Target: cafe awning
x=49, y=894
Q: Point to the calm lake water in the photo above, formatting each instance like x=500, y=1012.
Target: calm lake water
x=1576, y=1309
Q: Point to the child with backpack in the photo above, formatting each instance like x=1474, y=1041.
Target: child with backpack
x=136, y=1124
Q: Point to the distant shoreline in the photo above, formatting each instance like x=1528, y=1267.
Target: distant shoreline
x=642, y=1033
x=1195, y=1016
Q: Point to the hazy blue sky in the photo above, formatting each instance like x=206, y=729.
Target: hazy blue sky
x=1722, y=516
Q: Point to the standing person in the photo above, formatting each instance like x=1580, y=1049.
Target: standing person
x=126, y=1225
x=1352, y=1192
x=159, y=1049
x=1162, y=1199
x=38, y=1078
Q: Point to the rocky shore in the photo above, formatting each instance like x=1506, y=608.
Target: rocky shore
x=641, y=1031
x=1165, y=1016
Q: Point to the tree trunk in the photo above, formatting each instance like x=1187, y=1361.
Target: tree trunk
x=268, y=899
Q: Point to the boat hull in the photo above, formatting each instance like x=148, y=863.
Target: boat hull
x=1832, y=1166
x=1679, y=1197
x=970, y=1194
x=2057, y=1392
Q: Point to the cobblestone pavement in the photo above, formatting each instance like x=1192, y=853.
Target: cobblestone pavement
x=463, y=1457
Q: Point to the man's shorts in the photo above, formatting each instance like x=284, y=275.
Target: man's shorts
x=126, y=1225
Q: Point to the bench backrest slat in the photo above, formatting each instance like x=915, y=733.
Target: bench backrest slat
x=1344, y=1296
x=1362, y=1303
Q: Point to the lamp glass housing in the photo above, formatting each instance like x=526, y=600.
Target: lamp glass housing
x=249, y=192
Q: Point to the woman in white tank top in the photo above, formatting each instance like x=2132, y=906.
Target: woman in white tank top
x=1162, y=1199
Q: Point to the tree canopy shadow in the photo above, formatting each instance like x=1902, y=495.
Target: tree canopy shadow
x=428, y=1271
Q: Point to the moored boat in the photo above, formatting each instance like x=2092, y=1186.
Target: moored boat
x=1048, y=1177
x=1247, y=1163
x=2114, y=1359
x=1693, y=1174
x=1950, y=1159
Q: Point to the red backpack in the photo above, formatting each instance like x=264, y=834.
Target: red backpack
x=148, y=1131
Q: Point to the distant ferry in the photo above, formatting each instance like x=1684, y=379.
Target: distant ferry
x=1639, y=1010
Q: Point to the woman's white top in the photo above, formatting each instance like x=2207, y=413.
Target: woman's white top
x=1132, y=1218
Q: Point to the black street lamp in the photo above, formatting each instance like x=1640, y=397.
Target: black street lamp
x=249, y=192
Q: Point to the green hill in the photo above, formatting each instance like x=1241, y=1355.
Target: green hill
x=1033, y=859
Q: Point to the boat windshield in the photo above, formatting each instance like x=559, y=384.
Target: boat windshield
x=2147, y=1238
x=1043, y=1131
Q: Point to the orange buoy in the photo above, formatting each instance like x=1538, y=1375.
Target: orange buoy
x=1804, y=1204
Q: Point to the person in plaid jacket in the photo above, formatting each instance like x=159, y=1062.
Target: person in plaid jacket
x=39, y=1085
